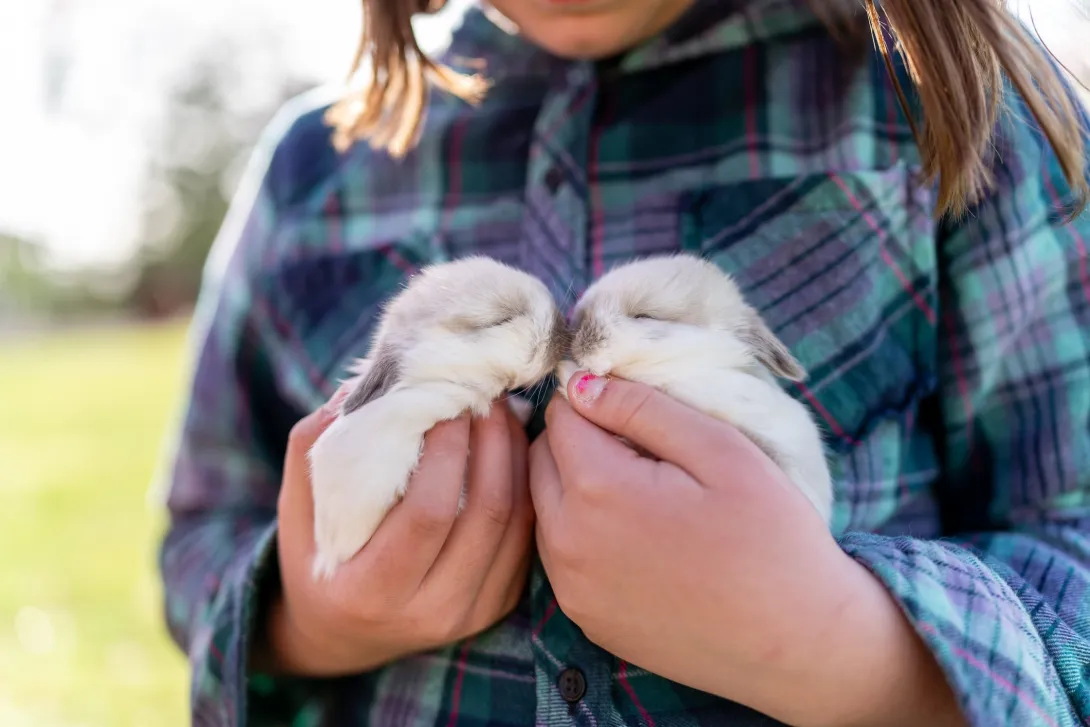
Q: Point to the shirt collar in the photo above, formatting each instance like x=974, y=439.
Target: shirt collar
x=707, y=27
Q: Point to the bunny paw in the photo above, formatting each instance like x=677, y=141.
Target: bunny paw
x=358, y=472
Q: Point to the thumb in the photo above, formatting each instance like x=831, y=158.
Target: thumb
x=662, y=425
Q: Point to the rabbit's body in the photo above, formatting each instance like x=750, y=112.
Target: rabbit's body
x=679, y=324
x=456, y=339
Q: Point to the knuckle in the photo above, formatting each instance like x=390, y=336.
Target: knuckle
x=496, y=507
x=340, y=608
x=569, y=557
x=430, y=518
x=568, y=601
x=568, y=551
x=591, y=488
x=445, y=627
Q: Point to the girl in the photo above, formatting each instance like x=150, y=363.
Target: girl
x=903, y=212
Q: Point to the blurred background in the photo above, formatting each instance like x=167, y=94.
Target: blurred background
x=124, y=128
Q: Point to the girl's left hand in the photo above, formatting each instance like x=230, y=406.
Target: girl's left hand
x=709, y=568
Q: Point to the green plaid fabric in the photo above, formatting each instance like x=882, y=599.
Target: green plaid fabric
x=949, y=361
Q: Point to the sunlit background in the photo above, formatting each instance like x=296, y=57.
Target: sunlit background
x=123, y=127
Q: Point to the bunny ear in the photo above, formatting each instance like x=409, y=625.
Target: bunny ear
x=379, y=378
x=770, y=351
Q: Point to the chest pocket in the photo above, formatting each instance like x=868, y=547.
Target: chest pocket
x=842, y=268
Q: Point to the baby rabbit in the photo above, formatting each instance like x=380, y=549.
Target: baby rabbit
x=458, y=337
x=680, y=324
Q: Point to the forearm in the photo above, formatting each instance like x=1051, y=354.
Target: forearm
x=871, y=669
x=1004, y=618
x=844, y=655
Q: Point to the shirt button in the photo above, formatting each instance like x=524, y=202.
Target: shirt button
x=572, y=685
x=553, y=179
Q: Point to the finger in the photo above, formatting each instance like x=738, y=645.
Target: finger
x=501, y=595
x=506, y=577
x=662, y=425
x=295, y=502
x=582, y=452
x=546, y=489
x=409, y=539
x=475, y=537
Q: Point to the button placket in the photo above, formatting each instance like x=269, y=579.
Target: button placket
x=573, y=676
x=555, y=221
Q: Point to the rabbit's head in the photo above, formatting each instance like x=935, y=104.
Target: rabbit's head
x=679, y=313
x=474, y=322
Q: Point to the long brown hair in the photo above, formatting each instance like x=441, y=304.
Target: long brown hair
x=956, y=52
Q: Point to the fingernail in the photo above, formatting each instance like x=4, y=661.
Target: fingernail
x=589, y=387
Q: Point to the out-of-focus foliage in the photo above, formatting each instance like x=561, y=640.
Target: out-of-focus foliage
x=189, y=183
x=200, y=147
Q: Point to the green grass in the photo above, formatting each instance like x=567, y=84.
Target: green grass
x=82, y=420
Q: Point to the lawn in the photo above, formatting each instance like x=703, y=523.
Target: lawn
x=82, y=419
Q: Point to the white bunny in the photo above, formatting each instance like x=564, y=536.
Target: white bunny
x=679, y=324
x=458, y=337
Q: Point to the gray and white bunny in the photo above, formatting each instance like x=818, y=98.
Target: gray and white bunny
x=457, y=338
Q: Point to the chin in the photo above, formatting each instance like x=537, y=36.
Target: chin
x=589, y=30
x=585, y=45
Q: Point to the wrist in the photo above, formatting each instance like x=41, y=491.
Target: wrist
x=278, y=647
x=870, y=667
x=286, y=646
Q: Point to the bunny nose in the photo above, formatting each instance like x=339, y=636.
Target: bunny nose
x=588, y=338
x=560, y=340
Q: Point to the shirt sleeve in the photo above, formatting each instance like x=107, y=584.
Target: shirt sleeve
x=225, y=467
x=1004, y=601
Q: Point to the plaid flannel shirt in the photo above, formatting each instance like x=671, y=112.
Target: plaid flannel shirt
x=949, y=360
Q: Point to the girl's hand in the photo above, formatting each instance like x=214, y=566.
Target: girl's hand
x=425, y=579
x=709, y=568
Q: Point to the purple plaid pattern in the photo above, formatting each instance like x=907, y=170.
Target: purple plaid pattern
x=949, y=362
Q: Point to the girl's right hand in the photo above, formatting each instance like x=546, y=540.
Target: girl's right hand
x=425, y=579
